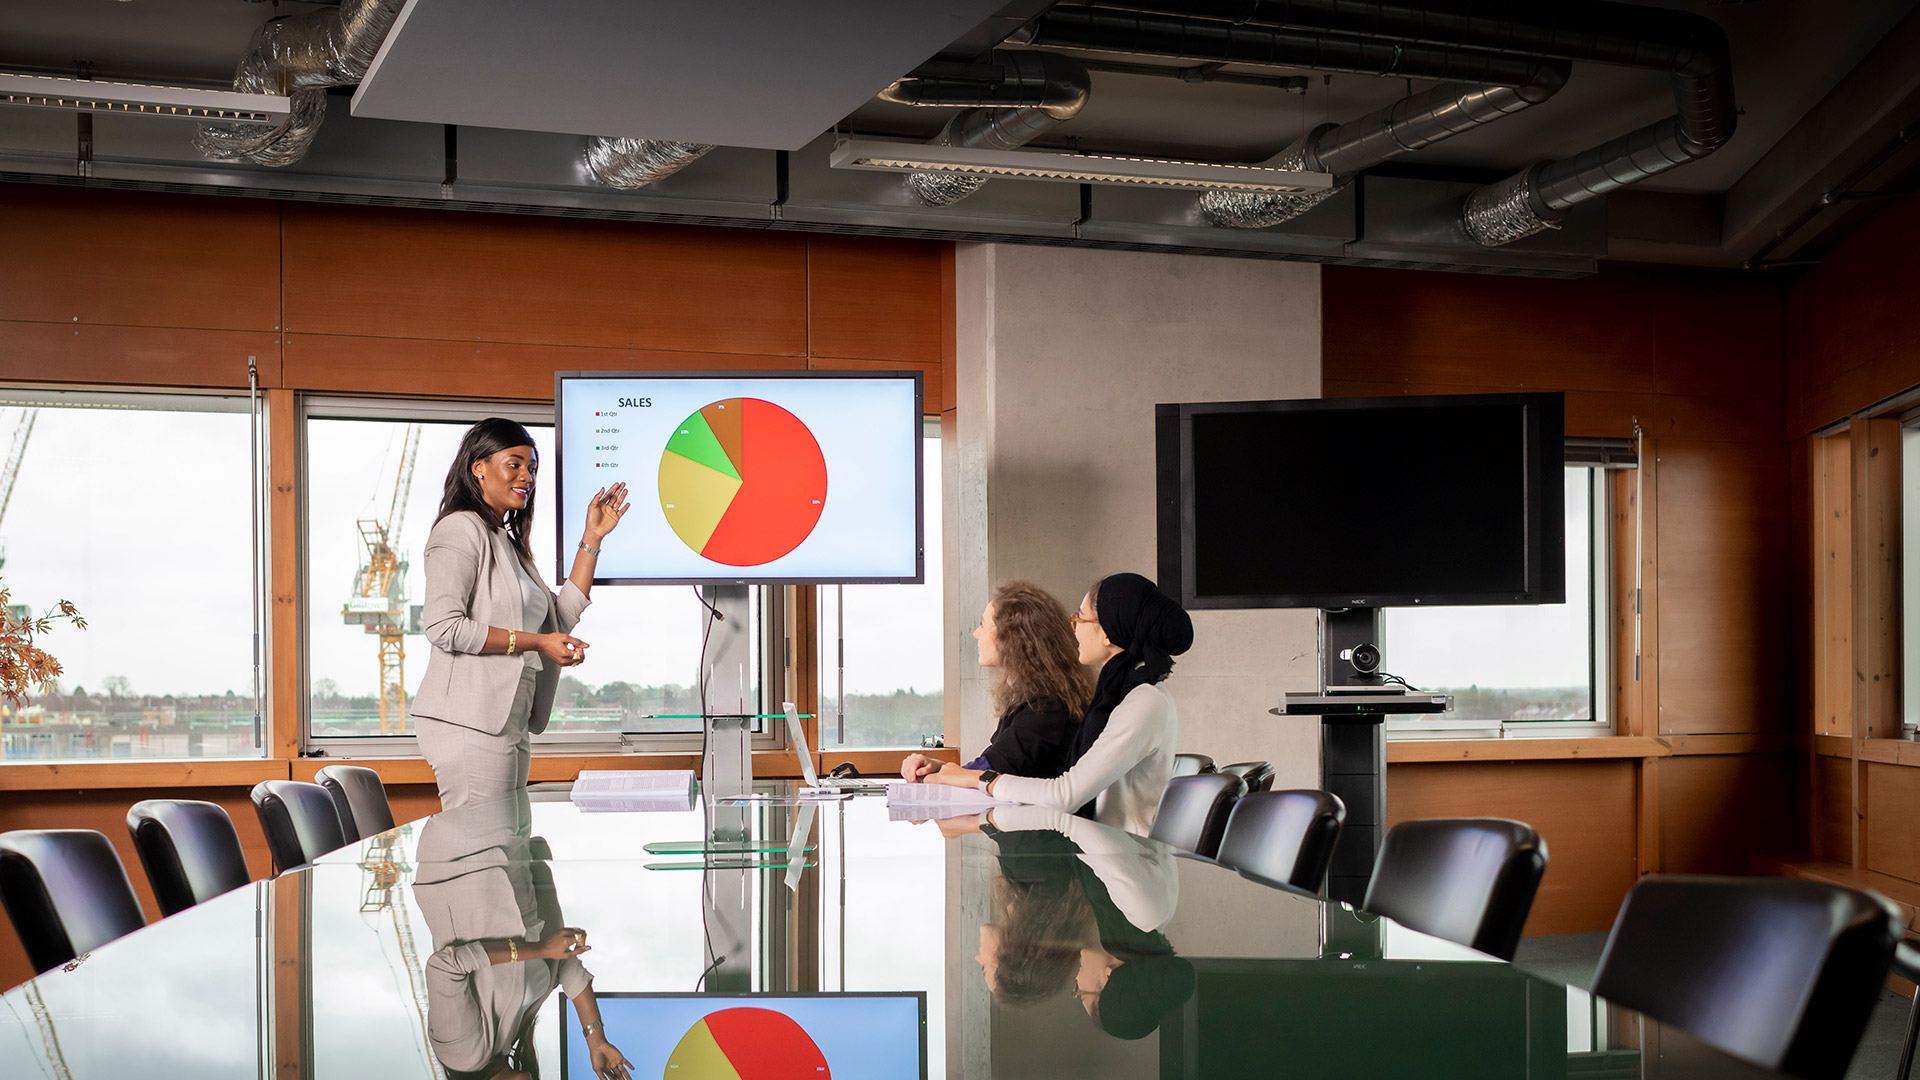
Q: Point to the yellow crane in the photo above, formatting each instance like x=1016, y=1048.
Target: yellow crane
x=379, y=600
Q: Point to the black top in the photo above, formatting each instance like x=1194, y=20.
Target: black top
x=1035, y=739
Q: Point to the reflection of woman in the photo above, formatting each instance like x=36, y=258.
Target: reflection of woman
x=499, y=636
x=1124, y=748
x=1081, y=905
x=1040, y=689
x=499, y=946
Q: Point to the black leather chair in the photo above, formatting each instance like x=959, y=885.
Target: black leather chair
x=360, y=799
x=299, y=819
x=1193, y=811
x=1283, y=837
x=1191, y=764
x=189, y=849
x=1780, y=972
x=1469, y=880
x=1257, y=774
x=66, y=892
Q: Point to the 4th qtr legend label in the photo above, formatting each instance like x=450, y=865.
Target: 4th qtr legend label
x=742, y=481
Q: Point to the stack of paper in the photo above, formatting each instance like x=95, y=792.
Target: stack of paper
x=930, y=802
x=597, y=791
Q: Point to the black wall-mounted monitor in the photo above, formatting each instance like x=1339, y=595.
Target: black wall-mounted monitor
x=1363, y=502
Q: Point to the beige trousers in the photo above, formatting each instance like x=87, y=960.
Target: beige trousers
x=473, y=766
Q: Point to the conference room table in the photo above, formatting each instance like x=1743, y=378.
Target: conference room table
x=1022, y=943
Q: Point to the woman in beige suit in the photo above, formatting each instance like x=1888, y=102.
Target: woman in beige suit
x=500, y=636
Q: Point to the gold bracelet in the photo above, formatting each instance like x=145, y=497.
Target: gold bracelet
x=587, y=1031
x=589, y=550
x=511, y=636
x=513, y=950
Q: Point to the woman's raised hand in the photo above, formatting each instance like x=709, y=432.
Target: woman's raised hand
x=564, y=649
x=605, y=510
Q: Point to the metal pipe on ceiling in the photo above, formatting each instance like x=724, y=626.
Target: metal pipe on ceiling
x=1692, y=47
x=1012, y=99
x=634, y=163
x=1407, y=125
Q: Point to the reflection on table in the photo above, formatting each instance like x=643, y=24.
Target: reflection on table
x=1024, y=943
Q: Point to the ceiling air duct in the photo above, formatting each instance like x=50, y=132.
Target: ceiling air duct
x=1012, y=99
x=635, y=163
x=1403, y=127
x=1691, y=46
x=299, y=57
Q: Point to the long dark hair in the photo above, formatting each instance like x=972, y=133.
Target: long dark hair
x=462, y=490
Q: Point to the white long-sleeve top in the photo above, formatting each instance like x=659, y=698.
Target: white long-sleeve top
x=1124, y=771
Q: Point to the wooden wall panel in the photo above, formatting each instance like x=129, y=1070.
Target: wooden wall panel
x=456, y=369
x=1851, y=335
x=1719, y=335
x=1716, y=809
x=1578, y=807
x=136, y=355
x=538, y=281
x=1472, y=331
x=1723, y=587
x=1831, y=827
x=1893, y=843
x=875, y=299
x=110, y=258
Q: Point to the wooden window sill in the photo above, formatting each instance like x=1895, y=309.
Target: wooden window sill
x=1596, y=748
x=96, y=775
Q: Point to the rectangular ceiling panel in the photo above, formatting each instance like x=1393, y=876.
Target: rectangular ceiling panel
x=771, y=74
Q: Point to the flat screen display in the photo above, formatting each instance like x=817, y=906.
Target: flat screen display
x=1363, y=502
x=788, y=478
x=847, y=1036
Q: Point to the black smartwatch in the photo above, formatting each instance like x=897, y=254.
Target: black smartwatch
x=987, y=778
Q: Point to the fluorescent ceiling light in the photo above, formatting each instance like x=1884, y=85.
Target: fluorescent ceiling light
x=1072, y=168
x=138, y=99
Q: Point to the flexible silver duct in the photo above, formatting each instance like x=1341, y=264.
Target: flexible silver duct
x=1419, y=33
x=635, y=163
x=1403, y=127
x=1011, y=100
x=300, y=57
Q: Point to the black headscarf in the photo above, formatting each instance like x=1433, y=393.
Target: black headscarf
x=1150, y=628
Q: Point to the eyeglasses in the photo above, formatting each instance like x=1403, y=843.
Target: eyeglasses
x=1077, y=619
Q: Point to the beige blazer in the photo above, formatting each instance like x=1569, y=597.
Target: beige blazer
x=470, y=589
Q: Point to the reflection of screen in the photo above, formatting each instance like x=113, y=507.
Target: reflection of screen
x=756, y=1036
x=789, y=477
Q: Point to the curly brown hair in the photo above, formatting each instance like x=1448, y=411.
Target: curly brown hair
x=1039, y=658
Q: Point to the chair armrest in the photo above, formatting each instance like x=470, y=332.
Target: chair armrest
x=1906, y=961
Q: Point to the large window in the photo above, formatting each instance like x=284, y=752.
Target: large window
x=1522, y=670
x=138, y=508
x=882, y=658
x=641, y=678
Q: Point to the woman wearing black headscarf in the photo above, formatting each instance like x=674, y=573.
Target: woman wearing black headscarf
x=1124, y=748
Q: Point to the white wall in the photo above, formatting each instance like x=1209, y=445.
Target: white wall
x=1062, y=354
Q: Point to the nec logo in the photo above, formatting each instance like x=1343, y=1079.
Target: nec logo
x=636, y=402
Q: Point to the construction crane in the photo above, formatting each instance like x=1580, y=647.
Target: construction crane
x=379, y=600
x=382, y=866
x=11, y=471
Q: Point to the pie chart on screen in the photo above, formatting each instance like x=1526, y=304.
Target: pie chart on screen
x=742, y=481
x=746, y=1044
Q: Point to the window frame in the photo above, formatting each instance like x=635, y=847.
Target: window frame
x=249, y=401
x=831, y=695
x=1601, y=593
x=775, y=601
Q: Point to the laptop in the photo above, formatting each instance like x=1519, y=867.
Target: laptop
x=812, y=776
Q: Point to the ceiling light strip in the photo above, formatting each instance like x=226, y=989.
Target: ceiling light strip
x=1071, y=168
x=139, y=99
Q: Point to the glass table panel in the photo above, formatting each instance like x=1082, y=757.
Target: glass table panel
x=1044, y=945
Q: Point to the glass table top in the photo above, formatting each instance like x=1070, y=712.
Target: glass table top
x=764, y=939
